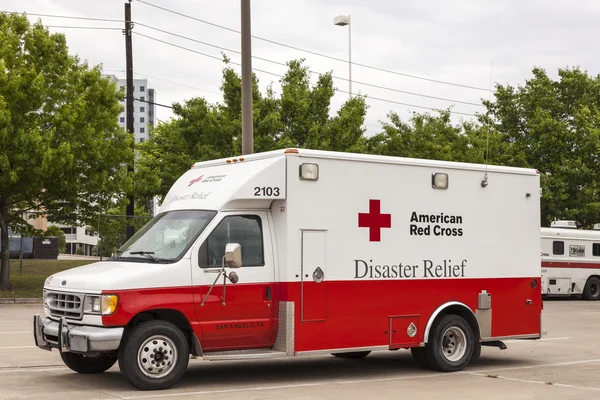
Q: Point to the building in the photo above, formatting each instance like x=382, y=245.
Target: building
x=144, y=110
x=80, y=238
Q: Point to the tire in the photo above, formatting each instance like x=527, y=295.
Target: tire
x=592, y=289
x=352, y=355
x=451, y=345
x=418, y=354
x=88, y=365
x=141, y=349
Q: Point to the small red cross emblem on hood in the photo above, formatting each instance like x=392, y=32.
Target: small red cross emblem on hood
x=198, y=179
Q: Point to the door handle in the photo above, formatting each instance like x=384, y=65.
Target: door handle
x=268, y=293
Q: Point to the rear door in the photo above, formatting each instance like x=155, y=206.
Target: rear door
x=236, y=315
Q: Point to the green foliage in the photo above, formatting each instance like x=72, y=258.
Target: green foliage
x=113, y=225
x=62, y=239
x=554, y=126
x=299, y=117
x=61, y=147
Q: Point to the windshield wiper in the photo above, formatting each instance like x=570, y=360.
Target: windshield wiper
x=145, y=253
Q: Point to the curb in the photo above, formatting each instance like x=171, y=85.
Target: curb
x=21, y=301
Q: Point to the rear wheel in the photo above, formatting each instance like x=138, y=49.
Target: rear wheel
x=451, y=345
x=353, y=355
x=155, y=355
x=88, y=365
x=592, y=289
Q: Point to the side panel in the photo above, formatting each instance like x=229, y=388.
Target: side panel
x=314, y=276
x=398, y=247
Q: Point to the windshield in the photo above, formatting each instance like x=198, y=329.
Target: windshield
x=166, y=237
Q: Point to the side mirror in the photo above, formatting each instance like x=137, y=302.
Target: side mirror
x=233, y=255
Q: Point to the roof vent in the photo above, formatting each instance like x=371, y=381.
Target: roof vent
x=564, y=224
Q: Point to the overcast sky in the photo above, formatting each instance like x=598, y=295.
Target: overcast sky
x=455, y=41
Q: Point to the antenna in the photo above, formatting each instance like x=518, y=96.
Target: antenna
x=484, y=182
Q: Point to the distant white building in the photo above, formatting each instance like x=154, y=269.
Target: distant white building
x=79, y=238
x=144, y=110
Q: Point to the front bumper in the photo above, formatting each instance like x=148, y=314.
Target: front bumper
x=49, y=334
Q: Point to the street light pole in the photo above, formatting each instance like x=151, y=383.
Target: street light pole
x=343, y=20
x=247, y=134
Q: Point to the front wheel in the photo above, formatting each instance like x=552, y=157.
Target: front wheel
x=451, y=345
x=88, y=365
x=154, y=356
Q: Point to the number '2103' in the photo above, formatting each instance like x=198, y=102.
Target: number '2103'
x=266, y=191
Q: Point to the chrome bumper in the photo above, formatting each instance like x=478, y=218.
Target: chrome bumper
x=49, y=334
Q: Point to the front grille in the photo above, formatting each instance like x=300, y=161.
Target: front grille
x=69, y=305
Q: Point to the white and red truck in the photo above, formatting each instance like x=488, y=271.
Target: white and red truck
x=570, y=261
x=301, y=252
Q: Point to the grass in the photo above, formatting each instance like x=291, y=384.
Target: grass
x=35, y=272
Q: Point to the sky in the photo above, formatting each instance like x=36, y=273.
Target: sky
x=476, y=43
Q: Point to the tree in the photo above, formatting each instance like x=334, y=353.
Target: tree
x=200, y=131
x=62, y=239
x=554, y=126
x=61, y=148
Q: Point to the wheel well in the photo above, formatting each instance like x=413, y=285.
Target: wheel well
x=173, y=316
x=457, y=309
x=590, y=277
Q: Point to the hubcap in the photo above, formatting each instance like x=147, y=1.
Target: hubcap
x=454, y=344
x=594, y=289
x=157, y=356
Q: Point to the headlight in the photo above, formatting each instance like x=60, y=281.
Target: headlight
x=105, y=304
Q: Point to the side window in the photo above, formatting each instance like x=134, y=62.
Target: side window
x=596, y=249
x=243, y=229
x=558, y=248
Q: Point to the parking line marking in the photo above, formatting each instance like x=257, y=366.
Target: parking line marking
x=532, y=381
x=7, y=332
x=26, y=370
x=17, y=347
x=540, y=365
x=299, y=385
x=533, y=341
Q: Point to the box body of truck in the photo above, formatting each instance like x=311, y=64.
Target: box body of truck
x=341, y=254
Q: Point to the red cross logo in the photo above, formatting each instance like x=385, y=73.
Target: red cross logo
x=198, y=179
x=374, y=220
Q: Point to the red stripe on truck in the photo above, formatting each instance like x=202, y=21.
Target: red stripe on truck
x=566, y=264
x=340, y=314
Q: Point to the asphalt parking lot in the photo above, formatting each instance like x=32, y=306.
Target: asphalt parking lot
x=565, y=364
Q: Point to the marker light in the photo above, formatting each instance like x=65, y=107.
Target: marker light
x=439, y=180
x=109, y=304
x=309, y=172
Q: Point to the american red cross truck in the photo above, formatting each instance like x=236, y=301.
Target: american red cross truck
x=299, y=252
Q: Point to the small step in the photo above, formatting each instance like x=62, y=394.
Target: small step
x=243, y=355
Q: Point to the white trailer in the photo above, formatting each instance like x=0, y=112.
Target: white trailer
x=570, y=261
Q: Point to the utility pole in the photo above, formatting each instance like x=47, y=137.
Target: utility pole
x=247, y=123
x=129, y=110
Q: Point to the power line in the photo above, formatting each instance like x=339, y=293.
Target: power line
x=84, y=27
x=65, y=16
x=312, y=72
x=165, y=80
x=281, y=76
x=316, y=53
x=153, y=103
x=256, y=57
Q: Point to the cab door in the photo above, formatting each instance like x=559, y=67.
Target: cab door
x=236, y=315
